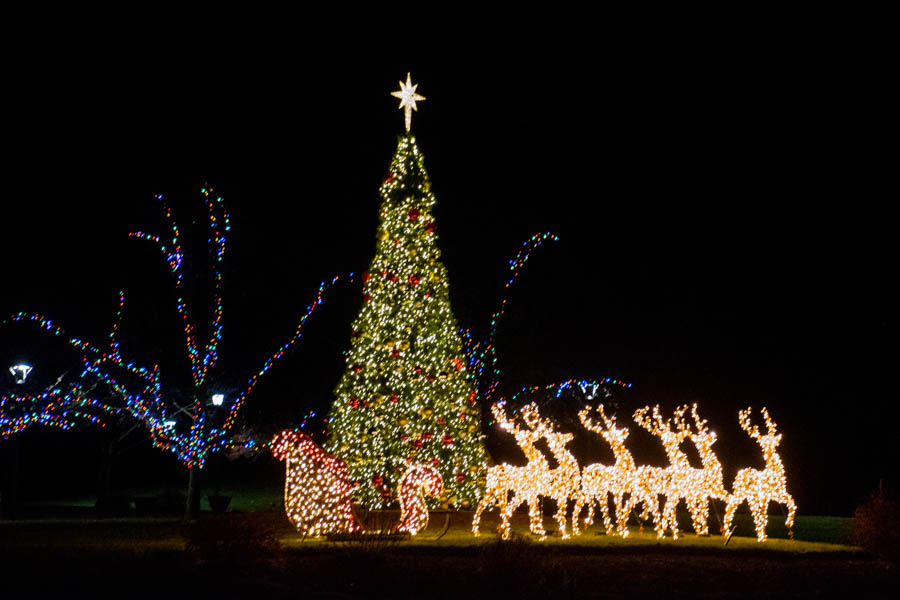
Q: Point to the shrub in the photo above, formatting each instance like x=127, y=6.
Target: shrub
x=875, y=526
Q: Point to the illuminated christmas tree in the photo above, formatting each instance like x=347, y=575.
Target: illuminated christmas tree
x=405, y=397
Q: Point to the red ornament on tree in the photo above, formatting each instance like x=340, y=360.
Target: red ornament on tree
x=365, y=276
x=390, y=178
x=394, y=399
x=430, y=228
x=460, y=477
x=377, y=480
x=395, y=353
x=414, y=279
x=413, y=214
x=447, y=439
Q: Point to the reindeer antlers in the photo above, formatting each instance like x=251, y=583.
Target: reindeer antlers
x=660, y=426
x=584, y=416
x=700, y=425
x=501, y=418
x=753, y=430
x=530, y=416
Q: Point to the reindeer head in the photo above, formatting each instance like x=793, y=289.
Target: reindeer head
x=702, y=437
x=615, y=436
x=532, y=434
x=768, y=442
x=662, y=428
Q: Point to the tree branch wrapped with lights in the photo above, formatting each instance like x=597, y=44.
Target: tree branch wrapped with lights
x=191, y=431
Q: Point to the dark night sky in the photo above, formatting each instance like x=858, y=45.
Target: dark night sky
x=720, y=209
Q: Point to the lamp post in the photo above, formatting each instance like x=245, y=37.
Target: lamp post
x=9, y=497
x=20, y=372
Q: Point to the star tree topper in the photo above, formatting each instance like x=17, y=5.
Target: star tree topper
x=408, y=97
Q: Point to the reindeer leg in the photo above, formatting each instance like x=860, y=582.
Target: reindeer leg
x=485, y=500
x=623, y=510
x=534, y=515
x=730, y=508
x=760, y=518
x=792, y=512
x=562, y=504
x=604, y=508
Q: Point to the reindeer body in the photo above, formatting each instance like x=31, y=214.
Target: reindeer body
x=526, y=484
x=670, y=482
x=598, y=481
x=706, y=482
x=759, y=487
x=564, y=482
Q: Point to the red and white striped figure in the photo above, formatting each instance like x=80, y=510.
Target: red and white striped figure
x=317, y=486
x=415, y=483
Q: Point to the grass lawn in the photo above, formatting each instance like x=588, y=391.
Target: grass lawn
x=259, y=554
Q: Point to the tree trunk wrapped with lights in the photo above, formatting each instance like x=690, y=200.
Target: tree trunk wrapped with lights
x=405, y=396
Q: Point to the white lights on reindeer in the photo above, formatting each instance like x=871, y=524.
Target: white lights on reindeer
x=536, y=479
x=756, y=487
x=658, y=490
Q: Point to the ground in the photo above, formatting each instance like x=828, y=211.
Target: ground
x=242, y=554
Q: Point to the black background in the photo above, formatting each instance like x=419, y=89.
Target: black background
x=720, y=204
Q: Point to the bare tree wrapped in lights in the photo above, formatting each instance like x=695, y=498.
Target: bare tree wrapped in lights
x=191, y=429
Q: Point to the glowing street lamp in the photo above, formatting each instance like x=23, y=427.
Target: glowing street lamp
x=20, y=372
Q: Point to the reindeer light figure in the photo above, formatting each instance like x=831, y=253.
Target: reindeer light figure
x=757, y=487
x=598, y=481
x=415, y=483
x=670, y=482
x=526, y=483
x=564, y=482
x=317, y=488
x=704, y=483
